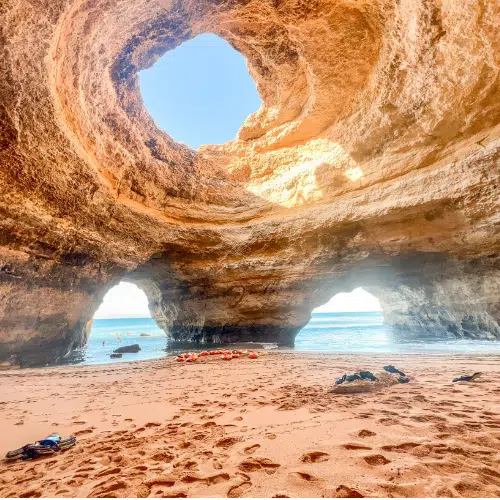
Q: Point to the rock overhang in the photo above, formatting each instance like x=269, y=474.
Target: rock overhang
x=378, y=136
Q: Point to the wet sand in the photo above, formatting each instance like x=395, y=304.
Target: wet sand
x=255, y=428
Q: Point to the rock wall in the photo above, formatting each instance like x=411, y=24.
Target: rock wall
x=373, y=161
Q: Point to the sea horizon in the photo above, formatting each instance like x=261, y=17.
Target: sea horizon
x=329, y=332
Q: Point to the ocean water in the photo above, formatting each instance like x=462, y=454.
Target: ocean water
x=326, y=332
x=365, y=332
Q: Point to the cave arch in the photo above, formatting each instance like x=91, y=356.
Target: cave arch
x=349, y=321
x=424, y=294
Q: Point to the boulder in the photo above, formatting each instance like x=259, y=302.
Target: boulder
x=11, y=364
x=128, y=348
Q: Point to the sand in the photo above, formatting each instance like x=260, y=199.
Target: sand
x=255, y=428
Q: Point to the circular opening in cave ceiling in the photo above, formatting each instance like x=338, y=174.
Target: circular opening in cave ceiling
x=200, y=92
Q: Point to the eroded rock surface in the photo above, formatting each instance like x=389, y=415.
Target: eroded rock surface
x=373, y=161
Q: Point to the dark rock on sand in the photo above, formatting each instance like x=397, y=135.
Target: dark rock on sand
x=128, y=348
x=11, y=364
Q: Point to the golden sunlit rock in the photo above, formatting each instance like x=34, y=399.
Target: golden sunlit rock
x=373, y=161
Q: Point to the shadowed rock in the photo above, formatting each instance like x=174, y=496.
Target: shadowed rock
x=127, y=348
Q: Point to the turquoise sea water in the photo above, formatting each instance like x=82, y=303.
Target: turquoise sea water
x=326, y=332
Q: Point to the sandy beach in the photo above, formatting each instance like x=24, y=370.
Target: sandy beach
x=255, y=428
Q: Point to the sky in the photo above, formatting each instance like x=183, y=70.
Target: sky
x=200, y=92
x=358, y=300
x=125, y=300
x=129, y=301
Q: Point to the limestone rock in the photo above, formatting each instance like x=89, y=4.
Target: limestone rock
x=373, y=161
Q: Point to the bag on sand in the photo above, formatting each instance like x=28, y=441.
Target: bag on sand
x=48, y=446
x=383, y=379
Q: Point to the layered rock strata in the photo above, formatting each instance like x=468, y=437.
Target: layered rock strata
x=373, y=161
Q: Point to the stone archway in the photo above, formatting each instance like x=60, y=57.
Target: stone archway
x=427, y=294
x=380, y=154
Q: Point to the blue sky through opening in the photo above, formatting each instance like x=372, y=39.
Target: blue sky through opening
x=127, y=300
x=200, y=92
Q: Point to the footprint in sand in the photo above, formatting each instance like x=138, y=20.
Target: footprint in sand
x=257, y=463
x=237, y=490
x=304, y=476
x=400, y=447
x=251, y=449
x=365, y=415
x=209, y=424
x=83, y=475
x=270, y=435
x=152, y=424
x=227, y=442
x=176, y=494
x=107, y=472
x=388, y=421
x=110, y=488
x=443, y=435
x=31, y=494
x=376, y=460
x=314, y=457
x=245, y=477
x=199, y=437
x=190, y=465
x=83, y=431
x=216, y=479
x=163, y=456
x=85, y=469
x=355, y=446
x=164, y=480
x=366, y=433
x=346, y=492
